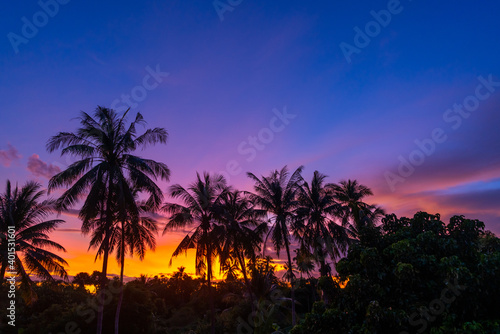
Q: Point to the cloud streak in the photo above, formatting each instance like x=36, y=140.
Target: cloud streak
x=8, y=156
x=37, y=167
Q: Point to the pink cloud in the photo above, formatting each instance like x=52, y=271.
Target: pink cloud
x=40, y=168
x=9, y=155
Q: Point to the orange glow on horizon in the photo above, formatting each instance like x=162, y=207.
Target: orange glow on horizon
x=155, y=262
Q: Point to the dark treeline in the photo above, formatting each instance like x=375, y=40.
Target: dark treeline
x=400, y=274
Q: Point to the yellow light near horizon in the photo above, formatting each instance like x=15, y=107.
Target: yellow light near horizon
x=342, y=284
x=154, y=264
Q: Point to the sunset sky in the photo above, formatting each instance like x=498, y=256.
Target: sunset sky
x=257, y=85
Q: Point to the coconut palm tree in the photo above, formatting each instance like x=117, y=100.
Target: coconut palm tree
x=130, y=235
x=304, y=261
x=319, y=233
x=244, y=229
x=201, y=199
x=135, y=237
x=107, y=167
x=354, y=212
x=277, y=195
x=23, y=210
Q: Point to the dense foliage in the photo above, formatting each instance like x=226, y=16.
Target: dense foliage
x=415, y=275
x=174, y=304
x=405, y=276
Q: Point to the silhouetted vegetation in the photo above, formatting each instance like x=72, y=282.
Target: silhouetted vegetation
x=413, y=276
x=394, y=275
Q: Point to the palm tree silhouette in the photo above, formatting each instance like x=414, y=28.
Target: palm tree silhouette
x=354, y=212
x=276, y=194
x=201, y=199
x=319, y=233
x=105, y=145
x=134, y=236
x=244, y=229
x=23, y=210
x=130, y=235
x=304, y=261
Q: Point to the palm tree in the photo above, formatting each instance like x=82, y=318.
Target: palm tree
x=319, y=233
x=107, y=167
x=243, y=229
x=23, y=210
x=129, y=235
x=355, y=213
x=265, y=286
x=201, y=199
x=304, y=261
x=276, y=194
x=135, y=237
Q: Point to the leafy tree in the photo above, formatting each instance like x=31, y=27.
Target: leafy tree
x=415, y=275
x=81, y=279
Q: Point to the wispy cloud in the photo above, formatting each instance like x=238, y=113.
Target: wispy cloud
x=40, y=168
x=69, y=230
x=9, y=155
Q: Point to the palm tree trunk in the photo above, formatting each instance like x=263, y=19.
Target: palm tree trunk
x=322, y=268
x=210, y=295
x=245, y=277
x=294, y=320
x=323, y=272
x=120, y=300
x=357, y=221
x=100, y=311
x=322, y=263
x=109, y=223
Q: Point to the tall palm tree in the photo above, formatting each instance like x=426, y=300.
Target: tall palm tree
x=244, y=230
x=201, y=199
x=23, y=210
x=354, y=212
x=135, y=237
x=319, y=233
x=130, y=235
x=107, y=167
x=277, y=195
